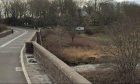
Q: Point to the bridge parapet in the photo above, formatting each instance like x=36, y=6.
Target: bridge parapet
x=58, y=71
x=29, y=45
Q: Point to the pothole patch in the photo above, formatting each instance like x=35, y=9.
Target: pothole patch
x=18, y=69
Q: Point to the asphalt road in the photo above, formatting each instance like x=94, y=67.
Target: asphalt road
x=10, y=66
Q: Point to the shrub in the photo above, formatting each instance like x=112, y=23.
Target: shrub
x=82, y=51
x=89, y=32
x=94, y=30
x=2, y=27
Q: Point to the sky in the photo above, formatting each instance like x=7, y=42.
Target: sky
x=137, y=1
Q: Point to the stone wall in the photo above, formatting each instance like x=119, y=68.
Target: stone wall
x=5, y=33
x=29, y=46
x=59, y=71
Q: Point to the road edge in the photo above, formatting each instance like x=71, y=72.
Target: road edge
x=23, y=66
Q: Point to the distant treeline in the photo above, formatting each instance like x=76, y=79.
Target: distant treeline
x=42, y=13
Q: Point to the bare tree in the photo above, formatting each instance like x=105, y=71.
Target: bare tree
x=0, y=12
x=6, y=8
x=131, y=9
x=38, y=10
x=70, y=17
x=53, y=14
x=107, y=13
x=125, y=47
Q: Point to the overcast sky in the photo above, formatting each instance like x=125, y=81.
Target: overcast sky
x=137, y=1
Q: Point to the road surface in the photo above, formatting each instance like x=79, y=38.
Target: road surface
x=10, y=47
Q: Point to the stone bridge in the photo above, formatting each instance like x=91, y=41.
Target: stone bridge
x=13, y=69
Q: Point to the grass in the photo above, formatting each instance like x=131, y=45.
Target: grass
x=78, y=52
x=99, y=76
x=84, y=49
x=109, y=76
x=98, y=37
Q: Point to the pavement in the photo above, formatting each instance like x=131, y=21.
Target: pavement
x=10, y=47
x=36, y=72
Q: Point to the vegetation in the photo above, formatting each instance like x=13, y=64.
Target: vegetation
x=125, y=47
x=2, y=27
x=81, y=51
x=108, y=24
x=59, y=12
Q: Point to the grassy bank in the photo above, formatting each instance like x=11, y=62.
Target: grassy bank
x=84, y=50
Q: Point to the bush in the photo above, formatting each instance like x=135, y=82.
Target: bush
x=94, y=30
x=2, y=27
x=89, y=32
x=82, y=51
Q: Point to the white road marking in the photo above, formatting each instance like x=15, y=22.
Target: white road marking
x=7, y=43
